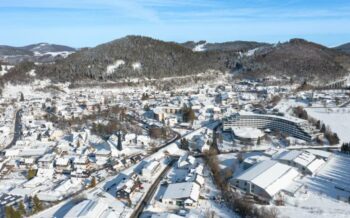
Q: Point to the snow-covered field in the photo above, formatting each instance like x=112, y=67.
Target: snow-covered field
x=337, y=118
x=5, y=69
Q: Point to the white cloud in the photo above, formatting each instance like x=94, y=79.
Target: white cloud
x=127, y=8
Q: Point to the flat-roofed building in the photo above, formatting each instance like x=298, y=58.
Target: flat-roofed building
x=304, y=161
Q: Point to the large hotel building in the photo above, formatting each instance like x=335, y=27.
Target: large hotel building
x=292, y=126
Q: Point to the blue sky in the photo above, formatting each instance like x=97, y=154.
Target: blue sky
x=81, y=23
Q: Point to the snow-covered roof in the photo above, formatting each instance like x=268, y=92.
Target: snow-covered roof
x=247, y=132
x=62, y=161
x=303, y=158
x=151, y=166
x=320, y=153
x=300, y=157
x=287, y=118
x=269, y=175
x=47, y=158
x=87, y=208
x=182, y=190
x=165, y=215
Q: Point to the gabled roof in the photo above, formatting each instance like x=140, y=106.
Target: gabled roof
x=269, y=175
x=182, y=190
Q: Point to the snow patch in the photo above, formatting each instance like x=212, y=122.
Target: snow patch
x=199, y=48
x=248, y=53
x=5, y=69
x=64, y=54
x=136, y=66
x=61, y=53
x=111, y=68
x=32, y=73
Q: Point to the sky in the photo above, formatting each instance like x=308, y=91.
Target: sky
x=81, y=23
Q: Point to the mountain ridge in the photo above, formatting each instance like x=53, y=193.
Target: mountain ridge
x=145, y=57
x=344, y=48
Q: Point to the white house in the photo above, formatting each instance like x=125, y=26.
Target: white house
x=150, y=169
x=184, y=194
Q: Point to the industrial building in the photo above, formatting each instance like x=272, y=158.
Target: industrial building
x=266, y=179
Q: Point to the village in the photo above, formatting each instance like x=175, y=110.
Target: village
x=141, y=152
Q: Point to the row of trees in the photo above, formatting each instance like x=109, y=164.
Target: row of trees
x=144, y=97
x=345, y=148
x=20, y=210
x=159, y=132
x=300, y=113
x=188, y=114
x=332, y=137
x=184, y=144
x=31, y=173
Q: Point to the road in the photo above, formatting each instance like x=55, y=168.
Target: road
x=150, y=193
x=215, y=143
x=18, y=130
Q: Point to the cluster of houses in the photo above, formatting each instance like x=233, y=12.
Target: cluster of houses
x=7, y=117
x=184, y=183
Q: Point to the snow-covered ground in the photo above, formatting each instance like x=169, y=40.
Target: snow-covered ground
x=199, y=47
x=337, y=118
x=5, y=69
x=137, y=66
x=323, y=195
x=64, y=54
x=111, y=68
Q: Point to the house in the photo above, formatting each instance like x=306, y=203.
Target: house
x=184, y=194
x=81, y=163
x=127, y=188
x=186, y=161
x=46, y=161
x=150, y=169
x=63, y=165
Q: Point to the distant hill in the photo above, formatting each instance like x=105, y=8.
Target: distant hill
x=41, y=52
x=344, y=48
x=10, y=51
x=45, y=47
x=299, y=59
x=144, y=57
